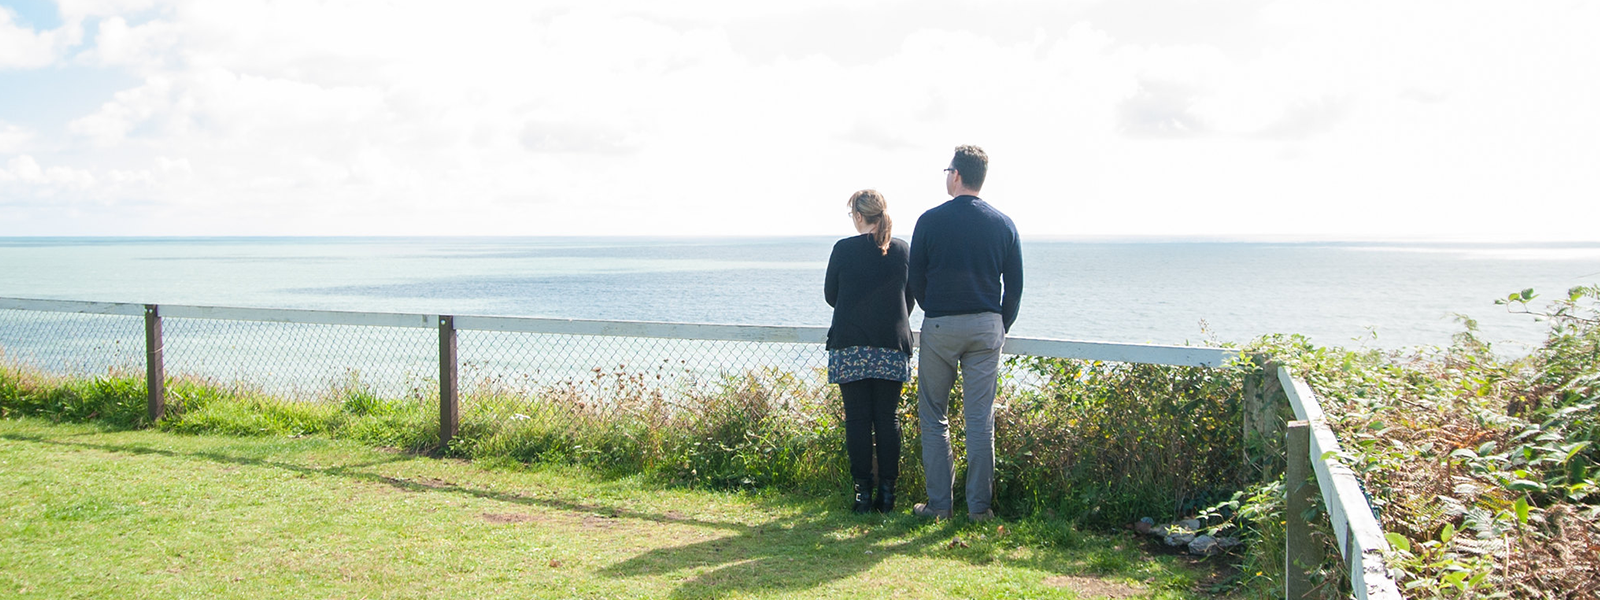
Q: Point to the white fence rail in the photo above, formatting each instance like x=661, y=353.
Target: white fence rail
x=1189, y=356
x=1361, y=540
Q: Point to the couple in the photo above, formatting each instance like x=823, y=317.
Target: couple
x=960, y=254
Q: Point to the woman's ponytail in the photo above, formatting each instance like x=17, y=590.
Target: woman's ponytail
x=874, y=210
x=880, y=235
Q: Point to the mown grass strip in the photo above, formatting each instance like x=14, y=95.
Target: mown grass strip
x=94, y=512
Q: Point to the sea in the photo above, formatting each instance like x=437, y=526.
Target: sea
x=1390, y=295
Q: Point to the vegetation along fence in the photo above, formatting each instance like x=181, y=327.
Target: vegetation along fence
x=427, y=358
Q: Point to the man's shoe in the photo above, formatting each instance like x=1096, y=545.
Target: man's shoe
x=980, y=517
x=922, y=510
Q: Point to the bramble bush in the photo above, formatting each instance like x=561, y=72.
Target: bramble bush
x=1481, y=467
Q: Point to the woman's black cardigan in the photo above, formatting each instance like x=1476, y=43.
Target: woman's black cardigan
x=868, y=292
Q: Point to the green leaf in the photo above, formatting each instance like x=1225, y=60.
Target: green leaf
x=1399, y=542
x=1458, y=579
x=1523, y=485
x=1477, y=579
x=1521, y=507
x=1574, y=450
x=1448, y=534
x=1528, y=294
x=1464, y=453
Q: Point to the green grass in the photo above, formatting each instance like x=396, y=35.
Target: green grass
x=91, y=511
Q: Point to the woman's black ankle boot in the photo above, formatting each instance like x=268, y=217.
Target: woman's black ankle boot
x=885, y=501
x=863, y=503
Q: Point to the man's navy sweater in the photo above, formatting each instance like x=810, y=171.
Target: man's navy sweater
x=961, y=253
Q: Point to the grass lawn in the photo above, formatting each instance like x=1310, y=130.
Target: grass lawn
x=87, y=512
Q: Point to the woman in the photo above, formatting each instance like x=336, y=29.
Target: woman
x=869, y=344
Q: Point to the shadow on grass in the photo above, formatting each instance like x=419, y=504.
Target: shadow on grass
x=786, y=554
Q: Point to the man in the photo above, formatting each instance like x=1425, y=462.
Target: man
x=966, y=272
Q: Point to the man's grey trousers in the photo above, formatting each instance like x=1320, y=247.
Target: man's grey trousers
x=972, y=342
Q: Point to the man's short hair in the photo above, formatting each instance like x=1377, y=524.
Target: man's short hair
x=972, y=164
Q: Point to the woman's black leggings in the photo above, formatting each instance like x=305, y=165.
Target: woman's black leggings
x=872, y=406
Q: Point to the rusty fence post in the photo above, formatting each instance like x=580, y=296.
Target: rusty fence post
x=449, y=402
x=155, y=372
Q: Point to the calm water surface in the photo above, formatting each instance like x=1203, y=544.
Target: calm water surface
x=1164, y=292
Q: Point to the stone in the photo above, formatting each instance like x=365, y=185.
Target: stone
x=1179, y=539
x=1204, y=545
x=1190, y=524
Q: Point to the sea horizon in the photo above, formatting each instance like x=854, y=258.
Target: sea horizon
x=901, y=233
x=1153, y=289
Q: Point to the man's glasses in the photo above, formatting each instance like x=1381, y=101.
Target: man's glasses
x=948, y=169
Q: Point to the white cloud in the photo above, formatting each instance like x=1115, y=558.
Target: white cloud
x=645, y=117
x=140, y=47
x=78, y=10
x=126, y=110
x=13, y=138
x=25, y=170
x=24, y=48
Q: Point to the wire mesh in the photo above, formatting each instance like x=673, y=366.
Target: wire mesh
x=72, y=344
x=599, y=375
x=522, y=362
x=593, y=378
x=596, y=373
x=303, y=361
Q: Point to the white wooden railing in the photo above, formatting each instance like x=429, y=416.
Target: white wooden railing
x=1313, y=446
x=1189, y=356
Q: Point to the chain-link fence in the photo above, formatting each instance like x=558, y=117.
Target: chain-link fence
x=303, y=361
x=500, y=361
x=72, y=344
x=495, y=362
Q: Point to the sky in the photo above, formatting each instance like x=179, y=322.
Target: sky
x=1456, y=120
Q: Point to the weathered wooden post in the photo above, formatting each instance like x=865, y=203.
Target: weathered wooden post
x=1300, y=551
x=1265, y=407
x=449, y=403
x=155, y=372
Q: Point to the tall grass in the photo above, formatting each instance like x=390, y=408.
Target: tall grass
x=1102, y=443
x=116, y=398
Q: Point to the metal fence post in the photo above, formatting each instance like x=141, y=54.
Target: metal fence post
x=1300, y=552
x=449, y=405
x=155, y=372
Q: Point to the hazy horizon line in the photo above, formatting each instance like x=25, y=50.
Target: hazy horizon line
x=1108, y=238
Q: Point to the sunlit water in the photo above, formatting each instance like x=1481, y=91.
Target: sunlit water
x=1162, y=292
